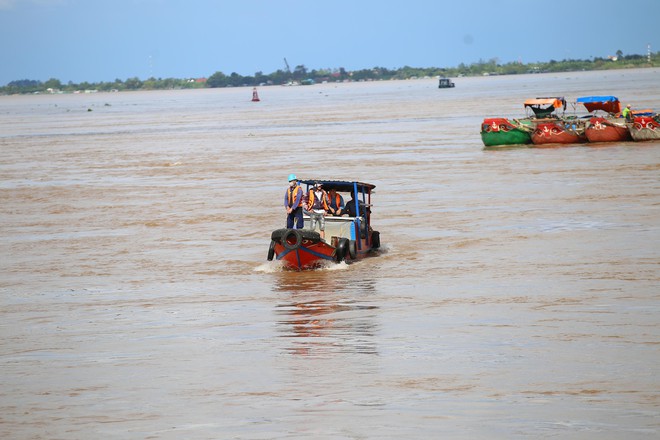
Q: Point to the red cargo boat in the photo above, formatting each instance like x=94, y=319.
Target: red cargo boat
x=350, y=237
x=607, y=128
x=603, y=129
x=550, y=128
x=559, y=131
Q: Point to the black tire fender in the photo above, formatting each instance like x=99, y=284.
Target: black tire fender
x=271, y=250
x=298, y=236
x=375, y=239
x=278, y=234
x=352, y=252
x=340, y=251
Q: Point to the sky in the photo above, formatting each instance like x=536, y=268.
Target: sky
x=103, y=40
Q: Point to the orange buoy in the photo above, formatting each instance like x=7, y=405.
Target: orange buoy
x=255, y=95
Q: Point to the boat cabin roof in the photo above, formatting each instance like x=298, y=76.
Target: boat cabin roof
x=543, y=107
x=340, y=185
x=597, y=99
x=609, y=104
x=556, y=102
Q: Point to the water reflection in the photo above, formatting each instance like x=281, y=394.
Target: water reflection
x=323, y=313
x=336, y=278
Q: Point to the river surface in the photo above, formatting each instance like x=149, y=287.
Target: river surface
x=516, y=295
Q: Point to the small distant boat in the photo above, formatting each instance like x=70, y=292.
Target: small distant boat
x=445, y=83
x=645, y=127
x=350, y=238
x=609, y=128
x=496, y=132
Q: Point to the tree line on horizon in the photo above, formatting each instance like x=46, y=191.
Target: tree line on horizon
x=301, y=75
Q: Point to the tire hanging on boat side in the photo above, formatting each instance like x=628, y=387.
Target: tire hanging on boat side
x=342, y=248
x=271, y=250
x=351, y=250
x=375, y=239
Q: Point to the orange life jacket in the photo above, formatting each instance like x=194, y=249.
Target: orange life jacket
x=337, y=200
x=292, y=193
x=324, y=200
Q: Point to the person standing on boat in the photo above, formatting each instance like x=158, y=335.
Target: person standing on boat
x=335, y=202
x=627, y=113
x=293, y=204
x=317, y=205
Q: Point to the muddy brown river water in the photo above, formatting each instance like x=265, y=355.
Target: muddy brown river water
x=516, y=295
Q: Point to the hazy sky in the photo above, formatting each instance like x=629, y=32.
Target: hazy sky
x=102, y=40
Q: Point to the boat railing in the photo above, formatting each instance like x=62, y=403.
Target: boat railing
x=337, y=226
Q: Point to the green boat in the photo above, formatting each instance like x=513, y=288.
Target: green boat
x=502, y=132
x=497, y=132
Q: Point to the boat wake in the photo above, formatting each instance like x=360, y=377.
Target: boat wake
x=269, y=267
x=277, y=266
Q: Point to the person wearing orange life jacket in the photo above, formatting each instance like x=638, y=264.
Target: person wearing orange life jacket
x=335, y=202
x=293, y=204
x=317, y=206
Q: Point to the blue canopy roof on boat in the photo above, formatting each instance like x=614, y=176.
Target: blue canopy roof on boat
x=340, y=185
x=609, y=104
x=597, y=99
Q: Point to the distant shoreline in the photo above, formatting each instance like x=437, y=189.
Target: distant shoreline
x=301, y=76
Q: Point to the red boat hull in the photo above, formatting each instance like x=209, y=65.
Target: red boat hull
x=556, y=132
x=645, y=128
x=307, y=256
x=604, y=130
x=302, y=249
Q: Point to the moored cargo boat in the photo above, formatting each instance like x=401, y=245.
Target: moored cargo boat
x=604, y=129
x=559, y=131
x=549, y=128
x=504, y=132
x=645, y=128
x=607, y=128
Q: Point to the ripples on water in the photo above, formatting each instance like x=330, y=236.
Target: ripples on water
x=515, y=295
